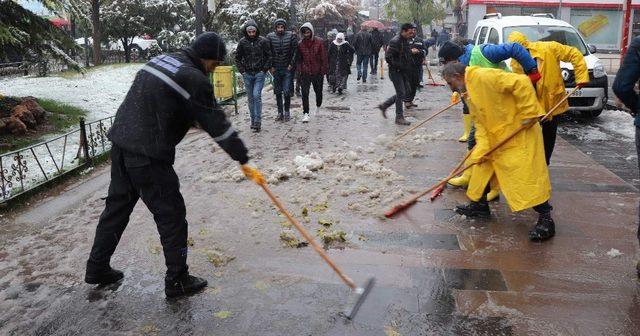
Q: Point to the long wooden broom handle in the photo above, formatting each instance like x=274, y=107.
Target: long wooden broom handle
x=413, y=128
x=458, y=169
x=309, y=238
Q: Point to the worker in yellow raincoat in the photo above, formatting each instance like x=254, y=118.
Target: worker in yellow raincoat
x=550, y=88
x=501, y=102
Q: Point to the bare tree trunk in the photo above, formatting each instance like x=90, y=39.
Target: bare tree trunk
x=198, y=10
x=97, y=32
x=419, y=25
x=127, y=50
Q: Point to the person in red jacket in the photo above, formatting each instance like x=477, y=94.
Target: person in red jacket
x=313, y=64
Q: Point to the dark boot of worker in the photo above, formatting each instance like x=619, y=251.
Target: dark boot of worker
x=184, y=285
x=638, y=269
x=383, y=109
x=544, y=229
x=474, y=209
x=402, y=121
x=101, y=275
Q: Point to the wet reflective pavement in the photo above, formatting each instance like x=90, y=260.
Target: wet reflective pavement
x=437, y=273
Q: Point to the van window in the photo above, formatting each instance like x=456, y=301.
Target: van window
x=494, y=38
x=483, y=35
x=475, y=34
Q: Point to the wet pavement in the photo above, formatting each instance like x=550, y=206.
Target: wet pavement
x=437, y=273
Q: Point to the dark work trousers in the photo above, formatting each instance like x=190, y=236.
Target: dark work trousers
x=412, y=86
x=373, y=61
x=156, y=183
x=399, y=80
x=638, y=151
x=306, y=81
x=549, y=131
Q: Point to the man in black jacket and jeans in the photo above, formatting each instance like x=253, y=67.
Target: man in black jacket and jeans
x=399, y=56
x=253, y=59
x=283, y=48
x=363, y=44
x=168, y=95
x=624, y=88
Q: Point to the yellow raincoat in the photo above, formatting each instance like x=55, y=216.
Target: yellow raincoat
x=550, y=89
x=499, y=103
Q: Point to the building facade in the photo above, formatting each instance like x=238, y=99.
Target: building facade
x=599, y=21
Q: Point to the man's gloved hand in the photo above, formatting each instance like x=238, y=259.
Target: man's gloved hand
x=253, y=174
x=534, y=76
x=234, y=146
x=581, y=85
x=455, y=97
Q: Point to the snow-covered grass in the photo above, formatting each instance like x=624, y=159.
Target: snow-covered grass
x=100, y=91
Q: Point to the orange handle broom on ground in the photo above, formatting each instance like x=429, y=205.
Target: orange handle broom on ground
x=431, y=78
x=360, y=292
x=406, y=204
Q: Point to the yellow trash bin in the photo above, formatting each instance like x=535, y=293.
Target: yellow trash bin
x=223, y=82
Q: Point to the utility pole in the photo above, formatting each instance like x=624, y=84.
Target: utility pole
x=625, y=29
x=198, y=10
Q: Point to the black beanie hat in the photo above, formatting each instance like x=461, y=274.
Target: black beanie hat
x=209, y=46
x=449, y=52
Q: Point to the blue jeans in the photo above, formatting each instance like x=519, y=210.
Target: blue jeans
x=253, y=84
x=362, y=62
x=282, y=80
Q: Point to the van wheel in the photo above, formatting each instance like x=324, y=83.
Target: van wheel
x=591, y=114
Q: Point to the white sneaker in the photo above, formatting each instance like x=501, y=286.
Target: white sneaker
x=305, y=117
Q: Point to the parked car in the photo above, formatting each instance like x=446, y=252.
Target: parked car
x=590, y=100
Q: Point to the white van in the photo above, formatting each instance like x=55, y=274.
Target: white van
x=590, y=100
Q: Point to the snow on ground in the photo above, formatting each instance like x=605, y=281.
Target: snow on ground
x=99, y=91
x=609, y=123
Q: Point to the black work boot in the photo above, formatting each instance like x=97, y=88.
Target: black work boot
x=383, y=109
x=402, y=121
x=638, y=269
x=101, y=275
x=183, y=285
x=280, y=117
x=544, y=229
x=474, y=209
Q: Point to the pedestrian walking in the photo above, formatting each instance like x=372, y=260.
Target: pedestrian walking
x=399, y=57
x=253, y=57
x=311, y=59
x=550, y=89
x=519, y=166
x=169, y=94
x=378, y=42
x=283, y=49
x=417, y=60
x=363, y=44
x=340, y=60
x=624, y=88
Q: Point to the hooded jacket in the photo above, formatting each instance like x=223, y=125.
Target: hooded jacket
x=253, y=55
x=167, y=96
x=311, y=56
x=283, y=47
x=548, y=54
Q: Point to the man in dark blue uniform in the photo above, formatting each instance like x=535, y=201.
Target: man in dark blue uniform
x=169, y=94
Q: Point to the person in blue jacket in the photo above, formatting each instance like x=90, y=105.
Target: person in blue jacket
x=624, y=88
x=487, y=56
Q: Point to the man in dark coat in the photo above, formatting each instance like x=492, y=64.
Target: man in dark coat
x=399, y=57
x=168, y=95
x=624, y=88
x=253, y=60
x=378, y=42
x=363, y=44
x=340, y=59
x=283, y=52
